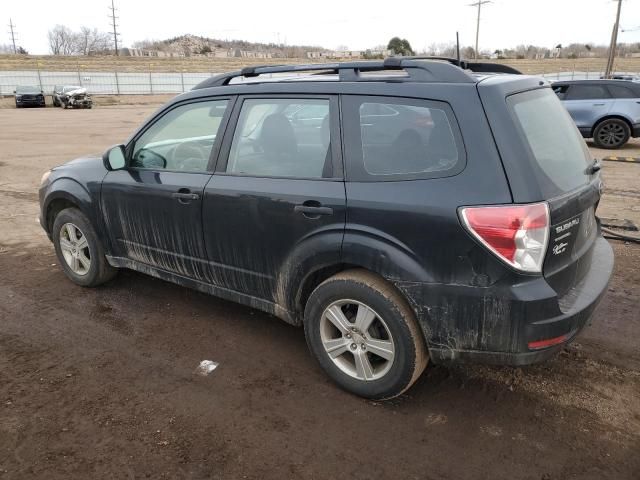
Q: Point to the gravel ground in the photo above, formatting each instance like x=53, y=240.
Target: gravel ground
x=101, y=383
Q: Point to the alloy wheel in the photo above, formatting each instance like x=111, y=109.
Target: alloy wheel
x=75, y=249
x=611, y=134
x=357, y=340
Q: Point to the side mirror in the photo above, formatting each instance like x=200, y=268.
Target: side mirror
x=14, y=91
x=114, y=158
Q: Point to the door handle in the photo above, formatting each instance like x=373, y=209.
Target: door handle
x=313, y=209
x=185, y=196
x=598, y=104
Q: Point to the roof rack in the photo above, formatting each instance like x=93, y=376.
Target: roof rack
x=418, y=69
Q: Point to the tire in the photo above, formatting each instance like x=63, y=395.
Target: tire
x=611, y=133
x=84, y=263
x=393, y=331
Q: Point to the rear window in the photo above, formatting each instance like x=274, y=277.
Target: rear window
x=559, y=151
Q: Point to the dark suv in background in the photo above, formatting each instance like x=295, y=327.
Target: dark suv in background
x=401, y=211
x=29, y=96
x=606, y=110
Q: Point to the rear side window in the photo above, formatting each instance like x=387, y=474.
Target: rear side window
x=282, y=138
x=620, y=91
x=558, y=150
x=587, y=92
x=400, y=139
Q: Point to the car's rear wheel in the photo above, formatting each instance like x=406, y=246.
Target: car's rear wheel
x=364, y=335
x=79, y=250
x=611, y=133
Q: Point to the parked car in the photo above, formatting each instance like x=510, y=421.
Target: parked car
x=476, y=242
x=71, y=97
x=606, y=110
x=29, y=96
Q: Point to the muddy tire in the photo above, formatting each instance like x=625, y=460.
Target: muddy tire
x=79, y=250
x=365, y=335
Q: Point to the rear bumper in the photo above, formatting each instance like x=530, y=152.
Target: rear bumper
x=497, y=324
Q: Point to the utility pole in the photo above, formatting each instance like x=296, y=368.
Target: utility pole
x=478, y=4
x=115, y=27
x=614, y=42
x=13, y=36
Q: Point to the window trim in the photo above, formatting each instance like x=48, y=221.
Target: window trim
x=352, y=141
x=334, y=128
x=215, y=150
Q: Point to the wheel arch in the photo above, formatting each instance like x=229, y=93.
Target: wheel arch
x=612, y=116
x=67, y=194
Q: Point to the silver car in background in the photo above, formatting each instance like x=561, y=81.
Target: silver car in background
x=606, y=110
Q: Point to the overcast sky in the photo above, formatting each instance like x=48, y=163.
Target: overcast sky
x=330, y=23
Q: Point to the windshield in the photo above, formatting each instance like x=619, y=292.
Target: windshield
x=560, y=153
x=70, y=89
x=27, y=89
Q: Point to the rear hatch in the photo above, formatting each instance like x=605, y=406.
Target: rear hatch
x=547, y=160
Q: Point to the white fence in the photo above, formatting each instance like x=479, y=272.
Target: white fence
x=115, y=83
x=108, y=83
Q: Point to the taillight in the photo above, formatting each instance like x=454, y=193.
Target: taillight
x=517, y=234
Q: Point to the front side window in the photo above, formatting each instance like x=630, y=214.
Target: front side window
x=282, y=138
x=400, y=139
x=182, y=139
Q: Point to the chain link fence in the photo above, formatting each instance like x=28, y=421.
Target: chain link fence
x=103, y=83
x=130, y=83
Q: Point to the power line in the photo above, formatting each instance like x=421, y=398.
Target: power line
x=13, y=36
x=478, y=4
x=614, y=42
x=115, y=27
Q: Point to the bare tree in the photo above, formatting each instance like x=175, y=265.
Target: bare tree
x=61, y=40
x=90, y=42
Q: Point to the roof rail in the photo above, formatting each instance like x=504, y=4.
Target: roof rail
x=418, y=69
x=476, y=67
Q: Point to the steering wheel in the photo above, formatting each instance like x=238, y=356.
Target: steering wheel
x=189, y=156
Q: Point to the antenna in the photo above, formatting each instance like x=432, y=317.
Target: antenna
x=478, y=4
x=458, y=47
x=115, y=27
x=13, y=36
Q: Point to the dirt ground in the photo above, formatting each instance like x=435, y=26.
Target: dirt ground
x=100, y=383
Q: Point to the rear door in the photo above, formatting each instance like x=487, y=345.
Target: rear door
x=277, y=200
x=587, y=103
x=627, y=101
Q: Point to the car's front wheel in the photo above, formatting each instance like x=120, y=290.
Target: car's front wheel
x=79, y=249
x=365, y=335
x=611, y=133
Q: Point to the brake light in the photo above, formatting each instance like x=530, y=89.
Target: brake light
x=517, y=234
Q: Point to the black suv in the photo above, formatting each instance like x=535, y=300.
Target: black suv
x=400, y=210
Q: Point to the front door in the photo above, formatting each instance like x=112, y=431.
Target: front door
x=153, y=209
x=276, y=204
